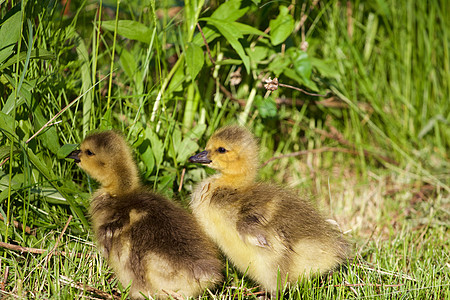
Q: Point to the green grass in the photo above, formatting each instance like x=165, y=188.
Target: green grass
x=383, y=66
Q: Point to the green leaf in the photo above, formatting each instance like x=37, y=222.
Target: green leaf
x=165, y=183
x=267, y=107
x=247, y=29
x=302, y=64
x=290, y=73
x=325, y=67
x=222, y=25
x=47, y=172
x=194, y=59
x=157, y=146
x=187, y=148
x=232, y=34
x=86, y=81
x=24, y=95
x=258, y=53
x=10, y=32
x=281, y=27
x=130, y=29
x=196, y=132
x=127, y=61
x=4, y=151
x=279, y=64
x=210, y=35
x=176, y=141
x=49, y=137
x=229, y=11
x=7, y=124
x=65, y=150
x=147, y=155
x=178, y=78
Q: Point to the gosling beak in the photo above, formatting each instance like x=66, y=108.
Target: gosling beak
x=74, y=155
x=201, y=157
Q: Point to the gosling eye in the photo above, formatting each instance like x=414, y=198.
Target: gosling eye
x=221, y=150
x=89, y=153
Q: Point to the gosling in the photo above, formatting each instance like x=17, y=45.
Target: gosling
x=149, y=241
x=270, y=234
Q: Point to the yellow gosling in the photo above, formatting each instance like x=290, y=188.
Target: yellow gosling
x=263, y=229
x=148, y=240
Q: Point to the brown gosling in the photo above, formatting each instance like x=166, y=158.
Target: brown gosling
x=268, y=232
x=148, y=240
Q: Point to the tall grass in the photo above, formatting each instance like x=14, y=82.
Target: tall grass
x=142, y=67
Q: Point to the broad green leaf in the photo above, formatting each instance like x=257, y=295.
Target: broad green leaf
x=127, y=61
x=229, y=11
x=10, y=32
x=247, y=29
x=66, y=150
x=51, y=194
x=178, y=78
x=267, y=107
x=232, y=34
x=187, y=148
x=24, y=94
x=325, y=67
x=281, y=27
x=210, y=35
x=130, y=29
x=302, y=64
x=290, y=73
x=105, y=120
x=147, y=155
x=157, y=146
x=4, y=151
x=194, y=59
x=9, y=105
x=7, y=124
x=228, y=27
x=165, y=183
x=257, y=53
x=279, y=64
x=48, y=136
x=196, y=132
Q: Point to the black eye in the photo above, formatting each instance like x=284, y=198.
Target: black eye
x=221, y=150
x=88, y=152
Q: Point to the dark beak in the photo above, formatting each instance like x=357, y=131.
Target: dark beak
x=201, y=158
x=74, y=155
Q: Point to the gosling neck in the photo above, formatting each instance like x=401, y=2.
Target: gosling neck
x=237, y=181
x=125, y=182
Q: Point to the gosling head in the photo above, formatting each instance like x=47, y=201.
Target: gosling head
x=107, y=158
x=233, y=151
